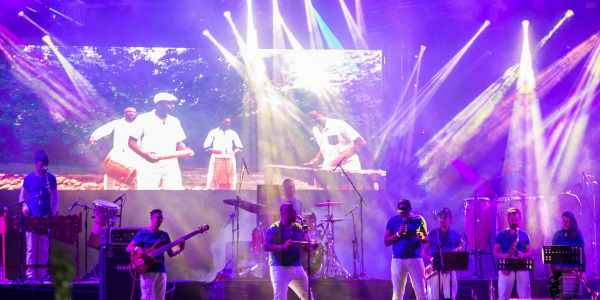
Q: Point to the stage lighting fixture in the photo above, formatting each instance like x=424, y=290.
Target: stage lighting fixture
x=569, y=13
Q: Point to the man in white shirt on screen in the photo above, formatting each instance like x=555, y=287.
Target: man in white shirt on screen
x=160, y=138
x=121, y=150
x=336, y=139
x=221, y=168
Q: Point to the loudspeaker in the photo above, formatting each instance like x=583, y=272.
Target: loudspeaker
x=116, y=281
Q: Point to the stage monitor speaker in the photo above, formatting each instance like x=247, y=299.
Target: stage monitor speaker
x=115, y=278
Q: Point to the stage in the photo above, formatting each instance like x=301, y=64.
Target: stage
x=323, y=289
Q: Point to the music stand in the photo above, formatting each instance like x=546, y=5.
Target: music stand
x=561, y=255
x=453, y=261
x=515, y=264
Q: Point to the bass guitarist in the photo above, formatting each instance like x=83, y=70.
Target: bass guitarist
x=153, y=283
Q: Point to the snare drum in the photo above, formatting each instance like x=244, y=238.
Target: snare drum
x=483, y=222
x=504, y=204
x=536, y=222
x=116, y=166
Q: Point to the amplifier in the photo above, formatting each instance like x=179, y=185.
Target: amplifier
x=118, y=236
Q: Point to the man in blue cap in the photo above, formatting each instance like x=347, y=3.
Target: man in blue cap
x=39, y=191
x=449, y=240
x=406, y=232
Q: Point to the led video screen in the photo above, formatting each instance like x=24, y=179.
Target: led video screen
x=283, y=114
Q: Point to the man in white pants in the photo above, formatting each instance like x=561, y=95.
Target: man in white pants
x=504, y=242
x=406, y=232
x=220, y=142
x=122, y=130
x=153, y=283
x=284, y=257
x=449, y=240
x=158, y=134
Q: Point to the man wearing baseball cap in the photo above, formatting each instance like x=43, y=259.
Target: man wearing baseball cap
x=39, y=191
x=449, y=240
x=406, y=232
x=159, y=135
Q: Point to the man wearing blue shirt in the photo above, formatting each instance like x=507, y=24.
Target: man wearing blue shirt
x=504, y=242
x=406, y=232
x=41, y=190
x=508, y=184
x=153, y=283
x=284, y=257
x=449, y=240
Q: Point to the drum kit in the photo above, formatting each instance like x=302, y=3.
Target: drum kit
x=323, y=263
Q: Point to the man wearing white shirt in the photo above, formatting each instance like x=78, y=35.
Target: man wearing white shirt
x=156, y=137
x=121, y=150
x=336, y=139
x=221, y=168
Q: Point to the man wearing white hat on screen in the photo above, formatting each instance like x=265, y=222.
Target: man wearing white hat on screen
x=160, y=138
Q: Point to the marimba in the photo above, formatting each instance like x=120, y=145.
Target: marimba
x=65, y=229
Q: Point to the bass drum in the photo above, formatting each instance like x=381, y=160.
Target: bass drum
x=560, y=204
x=316, y=260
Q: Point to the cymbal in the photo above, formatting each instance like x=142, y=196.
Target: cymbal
x=257, y=209
x=234, y=202
x=325, y=204
x=332, y=220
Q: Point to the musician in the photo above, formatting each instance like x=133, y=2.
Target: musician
x=570, y=235
x=221, y=168
x=449, y=240
x=284, y=258
x=153, y=283
x=406, y=232
x=289, y=190
x=508, y=184
x=336, y=139
x=40, y=195
x=122, y=131
x=506, y=240
x=158, y=133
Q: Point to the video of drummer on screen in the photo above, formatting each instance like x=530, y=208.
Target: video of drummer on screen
x=193, y=119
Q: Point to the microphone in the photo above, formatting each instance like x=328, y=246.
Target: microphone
x=339, y=164
x=245, y=166
x=120, y=198
x=404, y=222
x=72, y=206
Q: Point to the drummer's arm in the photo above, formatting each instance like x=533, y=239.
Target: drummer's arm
x=182, y=146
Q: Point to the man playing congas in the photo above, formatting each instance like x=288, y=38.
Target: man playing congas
x=508, y=184
x=570, y=235
x=121, y=151
x=221, y=168
x=449, y=240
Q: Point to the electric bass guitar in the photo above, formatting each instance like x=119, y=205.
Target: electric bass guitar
x=141, y=262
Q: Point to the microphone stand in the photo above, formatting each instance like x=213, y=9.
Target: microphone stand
x=308, y=261
x=355, y=241
x=237, y=242
x=594, y=218
x=48, y=274
x=86, y=208
x=441, y=265
x=361, y=202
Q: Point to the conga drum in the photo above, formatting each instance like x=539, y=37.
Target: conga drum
x=504, y=204
x=536, y=222
x=104, y=211
x=483, y=222
x=116, y=166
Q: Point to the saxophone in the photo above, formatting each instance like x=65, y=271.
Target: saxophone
x=492, y=294
x=513, y=250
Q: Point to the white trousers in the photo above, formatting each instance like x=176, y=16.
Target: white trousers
x=401, y=268
x=150, y=178
x=35, y=241
x=283, y=277
x=433, y=288
x=153, y=285
x=506, y=283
